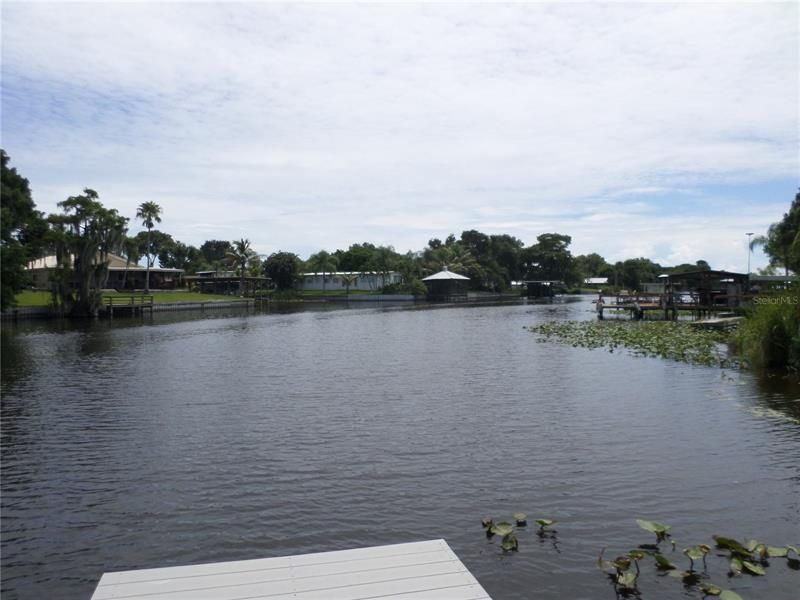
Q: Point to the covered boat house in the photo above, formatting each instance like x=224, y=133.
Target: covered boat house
x=446, y=286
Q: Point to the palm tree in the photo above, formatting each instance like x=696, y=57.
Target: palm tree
x=150, y=214
x=132, y=255
x=240, y=256
x=322, y=262
x=348, y=279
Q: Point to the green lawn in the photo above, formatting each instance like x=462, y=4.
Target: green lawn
x=38, y=298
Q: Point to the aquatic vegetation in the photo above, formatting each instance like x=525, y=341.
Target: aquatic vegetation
x=661, y=530
x=679, y=341
x=695, y=553
x=504, y=529
x=542, y=523
x=750, y=557
x=507, y=531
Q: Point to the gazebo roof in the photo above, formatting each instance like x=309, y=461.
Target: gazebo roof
x=445, y=274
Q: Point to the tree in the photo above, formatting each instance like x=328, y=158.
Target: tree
x=637, y=270
x=782, y=242
x=348, y=279
x=215, y=250
x=240, y=255
x=150, y=214
x=322, y=262
x=177, y=255
x=153, y=244
x=591, y=265
x=84, y=235
x=550, y=259
x=454, y=257
x=283, y=268
x=22, y=231
x=132, y=250
x=356, y=258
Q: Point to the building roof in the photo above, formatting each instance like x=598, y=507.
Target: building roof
x=595, y=280
x=445, y=274
x=707, y=274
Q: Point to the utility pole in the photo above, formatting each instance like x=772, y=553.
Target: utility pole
x=749, y=252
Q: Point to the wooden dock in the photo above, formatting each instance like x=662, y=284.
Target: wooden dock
x=414, y=571
x=129, y=305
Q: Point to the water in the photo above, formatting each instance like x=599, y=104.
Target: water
x=187, y=440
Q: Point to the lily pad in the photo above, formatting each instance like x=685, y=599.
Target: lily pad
x=732, y=545
x=521, y=519
x=509, y=543
x=774, y=552
x=653, y=526
x=736, y=565
x=709, y=589
x=729, y=595
x=662, y=563
x=637, y=554
x=627, y=580
x=544, y=522
x=696, y=552
x=502, y=528
x=753, y=568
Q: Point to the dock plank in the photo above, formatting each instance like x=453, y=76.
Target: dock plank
x=414, y=571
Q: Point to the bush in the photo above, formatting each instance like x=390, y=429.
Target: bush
x=770, y=336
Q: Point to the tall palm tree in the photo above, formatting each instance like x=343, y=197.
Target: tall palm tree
x=150, y=214
x=239, y=256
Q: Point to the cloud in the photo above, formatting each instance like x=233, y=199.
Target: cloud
x=304, y=126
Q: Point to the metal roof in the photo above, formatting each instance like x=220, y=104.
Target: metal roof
x=445, y=274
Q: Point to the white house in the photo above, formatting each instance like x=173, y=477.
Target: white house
x=362, y=281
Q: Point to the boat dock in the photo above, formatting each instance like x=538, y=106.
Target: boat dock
x=414, y=571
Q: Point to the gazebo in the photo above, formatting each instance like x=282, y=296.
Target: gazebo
x=446, y=286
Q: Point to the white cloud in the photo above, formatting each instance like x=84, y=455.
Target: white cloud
x=308, y=126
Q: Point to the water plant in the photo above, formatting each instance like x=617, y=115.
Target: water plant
x=542, y=523
x=697, y=552
x=750, y=557
x=659, y=529
x=509, y=542
x=679, y=341
x=507, y=531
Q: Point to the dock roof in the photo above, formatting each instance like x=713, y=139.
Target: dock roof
x=445, y=274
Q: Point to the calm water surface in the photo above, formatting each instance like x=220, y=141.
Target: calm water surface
x=189, y=440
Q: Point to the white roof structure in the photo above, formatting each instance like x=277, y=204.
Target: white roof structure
x=596, y=280
x=415, y=571
x=445, y=274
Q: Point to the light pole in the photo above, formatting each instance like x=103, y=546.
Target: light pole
x=749, y=252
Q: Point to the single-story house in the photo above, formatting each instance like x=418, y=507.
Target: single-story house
x=121, y=275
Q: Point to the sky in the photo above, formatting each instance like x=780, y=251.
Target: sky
x=667, y=131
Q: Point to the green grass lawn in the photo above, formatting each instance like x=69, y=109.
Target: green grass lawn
x=38, y=298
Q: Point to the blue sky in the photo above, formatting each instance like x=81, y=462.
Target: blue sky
x=658, y=130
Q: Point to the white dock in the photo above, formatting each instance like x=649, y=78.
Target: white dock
x=416, y=571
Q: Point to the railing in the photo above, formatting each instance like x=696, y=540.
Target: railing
x=145, y=300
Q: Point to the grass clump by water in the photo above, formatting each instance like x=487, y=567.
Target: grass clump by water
x=770, y=335
x=666, y=339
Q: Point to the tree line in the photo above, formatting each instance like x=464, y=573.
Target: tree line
x=85, y=232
